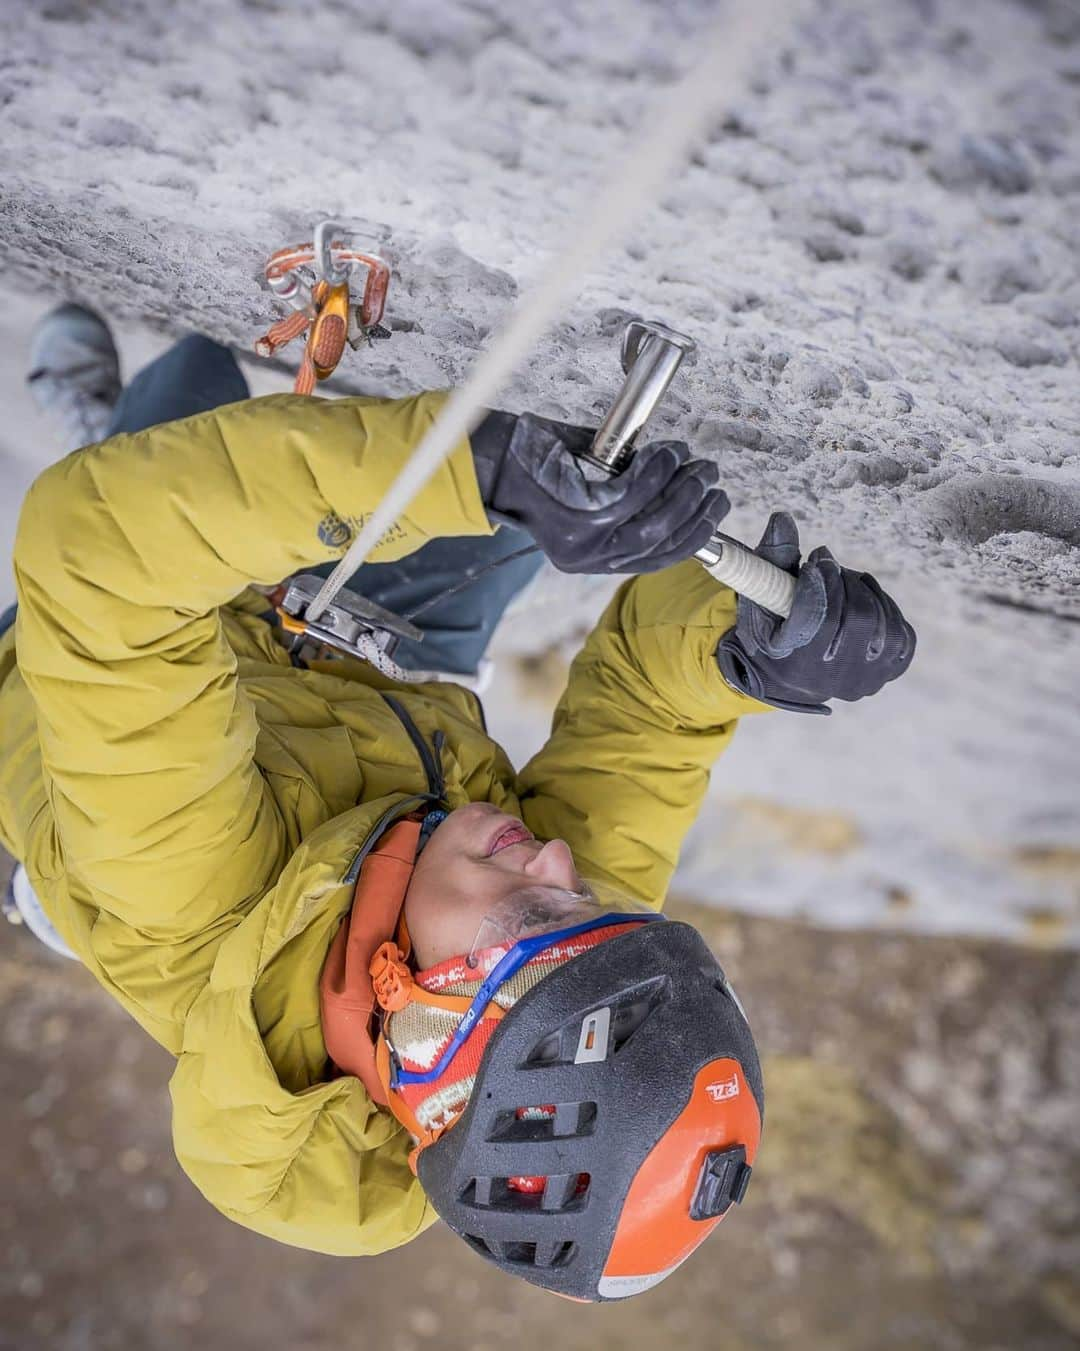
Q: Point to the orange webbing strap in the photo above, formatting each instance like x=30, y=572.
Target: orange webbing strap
x=326, y=336
x=277, y=335
x=347, y=1000
x=305, y=375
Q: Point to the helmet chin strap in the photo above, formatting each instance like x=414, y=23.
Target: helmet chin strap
x=437, y=1023
x=434, y=818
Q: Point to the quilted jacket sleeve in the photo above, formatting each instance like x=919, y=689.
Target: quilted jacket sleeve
x=124, y=553
x=645, y=714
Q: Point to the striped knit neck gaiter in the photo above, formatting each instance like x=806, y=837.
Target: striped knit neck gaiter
x=420, y=1032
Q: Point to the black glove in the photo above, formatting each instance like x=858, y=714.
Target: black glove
x=658, y=511
x=844, y=639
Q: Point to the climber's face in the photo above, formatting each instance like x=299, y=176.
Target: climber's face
x=475, y=862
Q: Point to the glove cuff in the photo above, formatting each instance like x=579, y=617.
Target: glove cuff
x=741, y=675
x=498, y=474
x=489, y=442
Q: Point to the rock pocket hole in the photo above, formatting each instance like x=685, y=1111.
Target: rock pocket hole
x=972, y=509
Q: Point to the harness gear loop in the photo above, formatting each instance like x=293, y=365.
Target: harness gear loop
x=315, y=279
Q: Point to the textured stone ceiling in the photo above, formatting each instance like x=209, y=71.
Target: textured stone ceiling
x=876, y=249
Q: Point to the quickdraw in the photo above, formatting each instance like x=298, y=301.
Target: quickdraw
x=315, y=280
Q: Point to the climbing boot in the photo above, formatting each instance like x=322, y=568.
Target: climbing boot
x=21, y=906
x=75, y=372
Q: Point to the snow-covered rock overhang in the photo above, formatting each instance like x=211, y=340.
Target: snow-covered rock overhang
x=875, y=248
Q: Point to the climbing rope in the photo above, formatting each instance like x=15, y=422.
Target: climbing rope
x=725, y=53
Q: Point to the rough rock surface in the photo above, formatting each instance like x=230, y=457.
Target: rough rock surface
x=876, y=248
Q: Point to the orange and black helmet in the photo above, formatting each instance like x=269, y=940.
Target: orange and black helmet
x=614, y=1119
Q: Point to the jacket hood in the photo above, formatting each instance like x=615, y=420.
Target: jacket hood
x=302, y=916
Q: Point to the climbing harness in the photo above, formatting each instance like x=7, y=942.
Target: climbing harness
x=316, y=280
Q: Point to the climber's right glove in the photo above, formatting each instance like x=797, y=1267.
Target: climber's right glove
x=844, y=639
x=658, y=511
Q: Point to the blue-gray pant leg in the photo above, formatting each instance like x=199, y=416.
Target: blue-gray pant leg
x=194, y=376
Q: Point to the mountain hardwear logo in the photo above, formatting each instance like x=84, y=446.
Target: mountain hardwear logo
x=723, y=1089
x=333, y=531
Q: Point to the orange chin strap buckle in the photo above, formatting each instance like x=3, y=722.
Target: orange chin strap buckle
x=316, y=280
x=391, y=978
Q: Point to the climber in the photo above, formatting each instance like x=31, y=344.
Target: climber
x=401, y=980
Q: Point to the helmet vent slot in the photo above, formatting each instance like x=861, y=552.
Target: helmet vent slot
x=554, y=1253
x=555, y=1194
x=624, y=1015
x=628, y=1018
x=530, y=1125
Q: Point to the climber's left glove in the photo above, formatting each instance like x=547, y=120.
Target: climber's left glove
x=658, y=511
x=844, y=639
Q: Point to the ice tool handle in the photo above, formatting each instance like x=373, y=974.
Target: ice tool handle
x=651, y=354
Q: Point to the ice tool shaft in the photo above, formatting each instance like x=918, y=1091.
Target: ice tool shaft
x=651, y=355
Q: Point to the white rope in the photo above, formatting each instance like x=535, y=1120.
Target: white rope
x=369, y=649
x=633, y=185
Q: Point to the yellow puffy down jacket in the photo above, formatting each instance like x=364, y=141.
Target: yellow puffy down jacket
x=188, y=803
